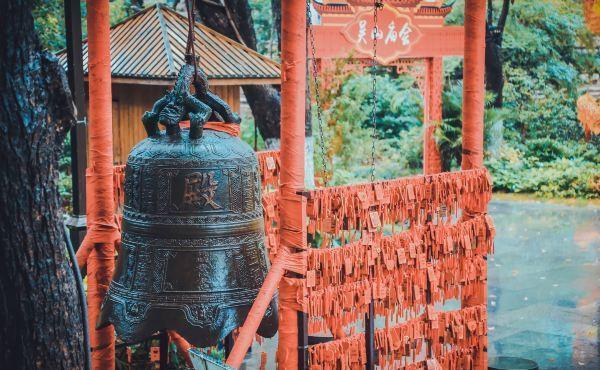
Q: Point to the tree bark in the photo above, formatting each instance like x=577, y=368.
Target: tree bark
x=493, y=52
x=40, y=318
x=234, y=20
x=493, y=66
x=276, y=12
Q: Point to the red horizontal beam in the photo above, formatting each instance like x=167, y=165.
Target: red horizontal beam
x=435, y=42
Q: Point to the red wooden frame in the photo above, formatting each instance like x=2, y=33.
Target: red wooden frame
x=344, y=34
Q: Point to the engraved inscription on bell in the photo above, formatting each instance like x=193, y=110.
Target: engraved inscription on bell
x=200, y=190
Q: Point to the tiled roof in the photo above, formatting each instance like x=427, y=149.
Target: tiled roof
x=151, y=45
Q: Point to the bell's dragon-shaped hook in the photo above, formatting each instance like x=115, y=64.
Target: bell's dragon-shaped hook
x=178, y=105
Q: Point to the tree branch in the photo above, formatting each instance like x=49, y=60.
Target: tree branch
x=504, y=15
x=235, y=21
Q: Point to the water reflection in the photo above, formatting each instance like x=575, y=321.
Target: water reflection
x=544, y=284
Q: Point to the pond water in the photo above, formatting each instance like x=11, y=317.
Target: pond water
x=544, y=284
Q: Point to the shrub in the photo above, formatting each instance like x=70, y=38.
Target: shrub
x=563, y=177
x=545, y=149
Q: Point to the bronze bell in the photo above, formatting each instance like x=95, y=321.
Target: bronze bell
x=192, y=257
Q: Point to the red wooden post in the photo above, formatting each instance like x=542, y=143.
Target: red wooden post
x=99, y=178
x=292, y=206
x=473, y=115
x=474, y=84
x=432, y=161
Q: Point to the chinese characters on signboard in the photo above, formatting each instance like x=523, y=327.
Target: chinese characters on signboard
x=396, y=33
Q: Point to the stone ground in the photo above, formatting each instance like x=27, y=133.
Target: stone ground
x=544, y=284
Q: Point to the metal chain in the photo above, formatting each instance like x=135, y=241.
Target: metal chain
x=377, y=4
x=190, y=52
x=317, y=85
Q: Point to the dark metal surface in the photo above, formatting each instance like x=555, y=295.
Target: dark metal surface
x=229, y=343
x=370, y=336
x=192, y=257
x=303, y=339
x=164, y=350
x=76, y=222
x=179, y=105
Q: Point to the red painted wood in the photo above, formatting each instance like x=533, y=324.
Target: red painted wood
x=434, y=42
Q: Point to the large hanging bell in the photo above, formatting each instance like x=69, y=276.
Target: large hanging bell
x=192, y=257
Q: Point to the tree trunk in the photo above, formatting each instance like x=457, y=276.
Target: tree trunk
x=494, y=72
x=276, y=13
x=493, y=65
x=235, y=21
x=494, y=83
x=40, y=317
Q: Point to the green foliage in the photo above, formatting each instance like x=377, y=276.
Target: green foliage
x=448, y=135
x=247, y=128
x=546, y=49
x=545, y=150
x=65, y=184
x=264, y=25
x=119, y=10
x=399, y=103
x=49, y=19
x=562, y=177
x=49, y=22
x=349, y=129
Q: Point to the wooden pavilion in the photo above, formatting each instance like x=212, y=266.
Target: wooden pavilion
x=147, y=51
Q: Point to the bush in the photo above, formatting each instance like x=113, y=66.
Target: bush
x=545, y=150
x=562, y=177
x=348, y=128
x=399, y=103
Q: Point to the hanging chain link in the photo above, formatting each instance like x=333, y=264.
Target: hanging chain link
x=377, y=4
x=190, y=52
x=317, y=85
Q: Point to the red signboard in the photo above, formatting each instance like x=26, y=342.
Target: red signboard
x=396, y=33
